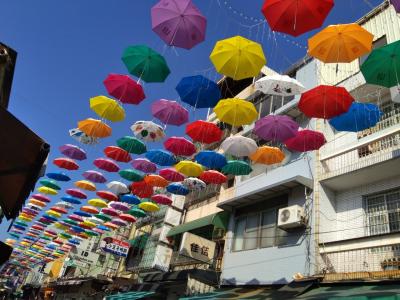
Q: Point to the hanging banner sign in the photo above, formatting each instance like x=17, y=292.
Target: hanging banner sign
x=114, y=246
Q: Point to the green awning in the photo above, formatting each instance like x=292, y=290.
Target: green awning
x=130, y=295
x=235, y=293
x=219, y=220
x=139, y=241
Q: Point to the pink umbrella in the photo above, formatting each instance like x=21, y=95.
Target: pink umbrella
x=94, y=176
x=119, y=222
x=170, y=112
x=179, y=23
x=41, y=197
x=110, y=211
x=124, y=89
x=76, y=193
x=144, y=165
x=276, y=128
x=306, y=140
x=180, y=146
x=106, y=164
x=162, y=199
x=73, y=151
x=76, y=218
x=119, y=206
x=171, y=174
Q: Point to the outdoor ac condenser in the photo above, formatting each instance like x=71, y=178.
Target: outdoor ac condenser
x=291, y=217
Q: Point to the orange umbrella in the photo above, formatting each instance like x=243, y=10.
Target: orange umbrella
x=156, y=180
x=111, y=225
x=340, y=43
x=85, y=185
x=267, y=155
x=94, y=128
x=90, y=209
x=37, y=202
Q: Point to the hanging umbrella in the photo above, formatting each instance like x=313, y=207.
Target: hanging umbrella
x=127, y=218
x=66, y=163
x=189, y=168
x=156, y=180
x=117, y=187
x=111, y=226
x=76, y=193
x=73, y=152
x=107, y=108
x=239, y=146
x=145, y=63
x=279, y=85
x=296, y=17
x=198, y=91
x=306, y=140
x=36, y=202
x=396, y=5
x=110, y=212
x=359, y=117
x=148, y=131
x=59, y=209
x=382, y=66
x=85, y=185
x=58, y=176
x=103, y=217
x=211, y=159
x=47, y=191
x=180, y=146
x=119, y=222
x=194, y=184
x=177, y=189
x=130, y=199
x=71, y=200
x=144, y=165
x=238, y=58
x=162, y=199
x=124, y=89
x=160, y=157
x=90, y=210
x=94, y=128
x=50, y=184
x=65, y=205
x=148, y=206
x=236, y=112
x=106, y=164
x=131, y=175
x=325, y=102
x=117, y=153
x=237, y=168
x=53, y=213
x=213, y=177
x=276, y=128
x=82, y=137
x=142, y=189
x=171, y=174
x=109, y=196
x=119, y=206
x=97, y=203
x=137, y=212
x=94, y=176
x=204, y=132
x=131, y=145
x=267, y=155
x=169, y=112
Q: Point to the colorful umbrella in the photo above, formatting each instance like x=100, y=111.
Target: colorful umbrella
x=127, y=218
x=144, y=165
x=111, y=226
x=239, y=146
x=236, y=112
x=59, y=209
x=85, y=185
x=117, y=187
x=171, y=174
x=119, y=205
x=97, y=203
x=178, y=23
x=148, y=131
x=237, y=168
x=90, y=210
x=137, y=212
x=50, y=184
x=180, y=146
x=198, y=91
x=156, y=180
x=145, y=63
x=141, y=189
x=66, y=163
x=277, y=128
x=396, y=5
x=306, y=140
x=296, y=17
x=213, y=177
x=238, y=58
x=76, y=193
x=58, y=176
x=131, y=145
x=107, y=108
x=110, y=212
x=109, y=196
x=131, y=175
x=130, y=199
x=103, y=217
x=177, y=189
x=119, y=222
x=160, y=157
x=94, y=176
x=325, y=102
x=194, y=184
x=47, y=191
x=359, y=117
x=267, y=155
x=82, y=137
x=211, y=159
x=117, y=153
x=162, y=199
x=204, y=132
x=124, y=89
x=169, y=112
x=106, y=164
x=36, y=202
x=53, y=213
x=279, y=85
x=189, y=168
x=94, y=128
x=148, y=206
x=73, y=152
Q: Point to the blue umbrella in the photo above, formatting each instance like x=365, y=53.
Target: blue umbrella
x=211, y=159
x=50, y=218
x=29, y=238
x=82, y=214
x=59, y=176
x=198, y=91
x=130, y=199
x=19, y=227
x=77, y=229
x=71, y=200
x=161, y=157
x=177, y=189
x=360, y=116
x=104, y=228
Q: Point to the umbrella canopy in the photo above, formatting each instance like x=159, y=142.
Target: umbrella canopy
x=111, y=226
x=296, y=17
x=148, y=206
x=144, y=165
x=107, y=108
x=267, y=155
x=178, y=23
x=94, y=176
x=145, y=63
x=82, y=137
x=58, y=176
x=124, y=89
x=279, y=85
x=194, y=184
x=148, y=131
x=239, y=146
x=177, y=189
x=50, y=183
x=189, y=168
x=238, y=58
x=236, y=112
x=276, y=128
x=71, y=200
x=171, y=174
x=47, y=191
x=162, y=199
x=118, y=187
x=198, y=91
x=89, y=209
x=359, y=117
x=127, y=218
x=325, y=102
x=156, y=180
x=85, y=185
x=36, y=202
x=204, y=132
x=131, y=174
x=59, y=209
x=340, y=43
x=76, y=193
x=213, y=177
x=103, y=217
x=170, y=112
x=110, y=212
x=160, y=157
x=97, y=203
x=396, y=5
x=382, y=66
x=119, y=205
x=72, y=151
x=109, y=196
x=180, y=146
x=106, y=164
x=211, y=159
x=117, y=153
x=66, y=163
x=53, y=213
x=131, y=145
x=94, y=128
x=137, y=212
x=237, y=168
x=142, y=189
x=306, y=140
x=130, y=199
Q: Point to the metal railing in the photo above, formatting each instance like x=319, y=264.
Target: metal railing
x=195, y=197
x=389, y=119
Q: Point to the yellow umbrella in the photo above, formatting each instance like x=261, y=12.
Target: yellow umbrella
x=149, y=206
x=89, y=223
x=107, y=108
x=85, y=185
x=340, y=43
x=267, y=155
x=236, y=112
x=60, y=226
x=23, y=218
x=53, y=213
x=97, y=203
x=238, y=58
x=94, y=128
x=46, y=190
x=189, y=168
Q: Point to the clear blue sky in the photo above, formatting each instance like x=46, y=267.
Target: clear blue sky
x=67, y=47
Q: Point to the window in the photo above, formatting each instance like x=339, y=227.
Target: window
x=375, y=45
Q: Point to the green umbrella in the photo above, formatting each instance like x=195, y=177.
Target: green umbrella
x=132, y=145
x=71, y=222
x=237, y=168
x=131, y=175
x=145, y=63
x=43, y=237
x=103, y=217
x=65, y=235
x=50, y=184
x=91, y=233
x=382, y=66
x=21, y=223
x=137, y=212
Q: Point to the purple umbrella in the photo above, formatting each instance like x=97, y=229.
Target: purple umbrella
x=73, y=152
x=396, y=5
x=144, y=165
x=179, y=23
x=94, y=176
x=119, y=222
x=276, y=128
x=169, y=112
x=119, y=205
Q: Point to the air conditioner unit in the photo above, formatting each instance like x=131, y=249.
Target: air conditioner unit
x=291, y=217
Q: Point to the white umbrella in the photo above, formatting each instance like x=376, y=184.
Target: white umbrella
x=118, y=187
x=65, y=205
x=82, y=137
x=239, y=146
x=194, y=184
x=279, y=85
x=148, y=131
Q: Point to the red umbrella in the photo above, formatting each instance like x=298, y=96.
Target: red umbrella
x=325, y=102
x=162, y=199
x=296, y=17
x=66, y=163
x=124, y=89
x=110, y=211
x=107, y=195
x=204, y=132
x=117, y=153
x=214, y=177
x=127, y=218
x=306, y=140
x=141, y=189
x=59, y=209
x=106, y=164
x=76, y=193
x=171, y=174
x=180, y=146
x=41, y=197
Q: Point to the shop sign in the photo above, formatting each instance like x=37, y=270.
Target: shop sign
x=82, y=257
x=197, y=247
x=114, y=246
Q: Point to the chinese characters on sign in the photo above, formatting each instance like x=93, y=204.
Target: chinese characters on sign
x=114, y=246
x=197, y=247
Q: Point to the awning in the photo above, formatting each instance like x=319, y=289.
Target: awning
x=139, y=241
x=235, y=293
x=219, y=220
x=130, y=295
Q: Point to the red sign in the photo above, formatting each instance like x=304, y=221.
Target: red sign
x=115, y=246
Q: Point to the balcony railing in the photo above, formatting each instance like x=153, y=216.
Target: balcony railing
x=389, y=119
x=197, y=196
